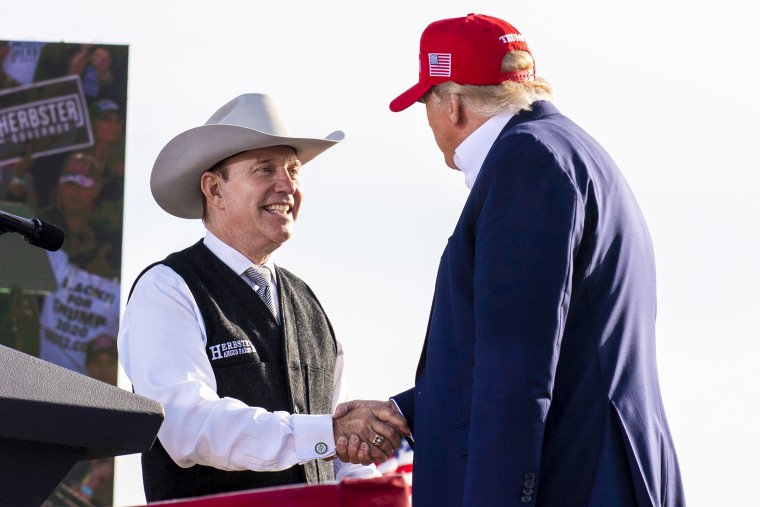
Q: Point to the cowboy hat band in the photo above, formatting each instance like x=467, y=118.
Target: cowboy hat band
x=247, y=122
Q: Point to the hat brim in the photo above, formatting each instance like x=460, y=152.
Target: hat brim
x=410, y=96
x=175, y=179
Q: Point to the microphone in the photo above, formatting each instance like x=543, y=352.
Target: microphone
x=35, y=231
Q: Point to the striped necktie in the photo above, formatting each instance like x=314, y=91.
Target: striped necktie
x=262, y=278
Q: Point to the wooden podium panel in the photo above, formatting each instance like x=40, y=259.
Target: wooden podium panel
x=387, y=491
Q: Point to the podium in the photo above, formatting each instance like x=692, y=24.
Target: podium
x=387, y=491
x=52, y=417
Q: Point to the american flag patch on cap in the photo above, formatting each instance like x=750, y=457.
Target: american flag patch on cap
x=440, y=64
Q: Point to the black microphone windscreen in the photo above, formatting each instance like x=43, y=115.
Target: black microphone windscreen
x=50, y=237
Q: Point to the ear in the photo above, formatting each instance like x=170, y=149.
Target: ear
x=211, y=186
x=453, y=108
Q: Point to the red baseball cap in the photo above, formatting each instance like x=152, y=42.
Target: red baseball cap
x=465, y=50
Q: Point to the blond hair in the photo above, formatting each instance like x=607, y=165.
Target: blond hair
x=508, y=96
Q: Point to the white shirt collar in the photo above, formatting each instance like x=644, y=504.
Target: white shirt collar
x=471, y=153
x=236, y=261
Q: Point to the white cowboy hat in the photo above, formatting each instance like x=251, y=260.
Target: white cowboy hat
x=245, y=123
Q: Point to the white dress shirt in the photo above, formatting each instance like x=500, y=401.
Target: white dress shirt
x=162, y=344
x=471, y=153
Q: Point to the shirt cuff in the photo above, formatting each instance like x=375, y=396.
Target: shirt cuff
x=313, y=436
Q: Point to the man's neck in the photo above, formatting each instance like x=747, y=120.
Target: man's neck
x=256, y=255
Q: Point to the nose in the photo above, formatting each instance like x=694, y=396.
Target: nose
x=285, y=182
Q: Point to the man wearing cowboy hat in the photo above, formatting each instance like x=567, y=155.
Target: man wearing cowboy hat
x=239, y=351
x=537, y=383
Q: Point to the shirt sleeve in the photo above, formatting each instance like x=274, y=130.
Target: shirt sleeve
x=162, y=349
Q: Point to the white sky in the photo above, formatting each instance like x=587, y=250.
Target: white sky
x=669, y=88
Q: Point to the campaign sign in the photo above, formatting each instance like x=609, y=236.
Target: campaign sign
x=43, y=118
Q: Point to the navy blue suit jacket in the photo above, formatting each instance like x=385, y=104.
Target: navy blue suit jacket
x=538, y=381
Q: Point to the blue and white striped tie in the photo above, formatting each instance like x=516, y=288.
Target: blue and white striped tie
x=262, y=278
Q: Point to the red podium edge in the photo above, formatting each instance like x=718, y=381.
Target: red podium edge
x=386, y=491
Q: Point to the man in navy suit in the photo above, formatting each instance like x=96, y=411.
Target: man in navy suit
x=538, y=380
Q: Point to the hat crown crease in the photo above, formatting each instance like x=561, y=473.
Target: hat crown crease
x=254, y=111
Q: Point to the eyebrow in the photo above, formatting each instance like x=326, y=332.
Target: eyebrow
x=269, y=160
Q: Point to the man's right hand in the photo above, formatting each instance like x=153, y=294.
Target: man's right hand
x=368, y=431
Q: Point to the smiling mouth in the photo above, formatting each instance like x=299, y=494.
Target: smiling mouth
x=278, y=209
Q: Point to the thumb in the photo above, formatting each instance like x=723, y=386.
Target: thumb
x=394, y=418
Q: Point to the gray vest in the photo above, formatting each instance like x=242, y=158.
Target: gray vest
x=277, y=367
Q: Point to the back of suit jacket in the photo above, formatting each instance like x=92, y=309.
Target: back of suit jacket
x=538, y=380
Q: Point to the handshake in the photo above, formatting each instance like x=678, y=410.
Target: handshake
x=368, y=431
